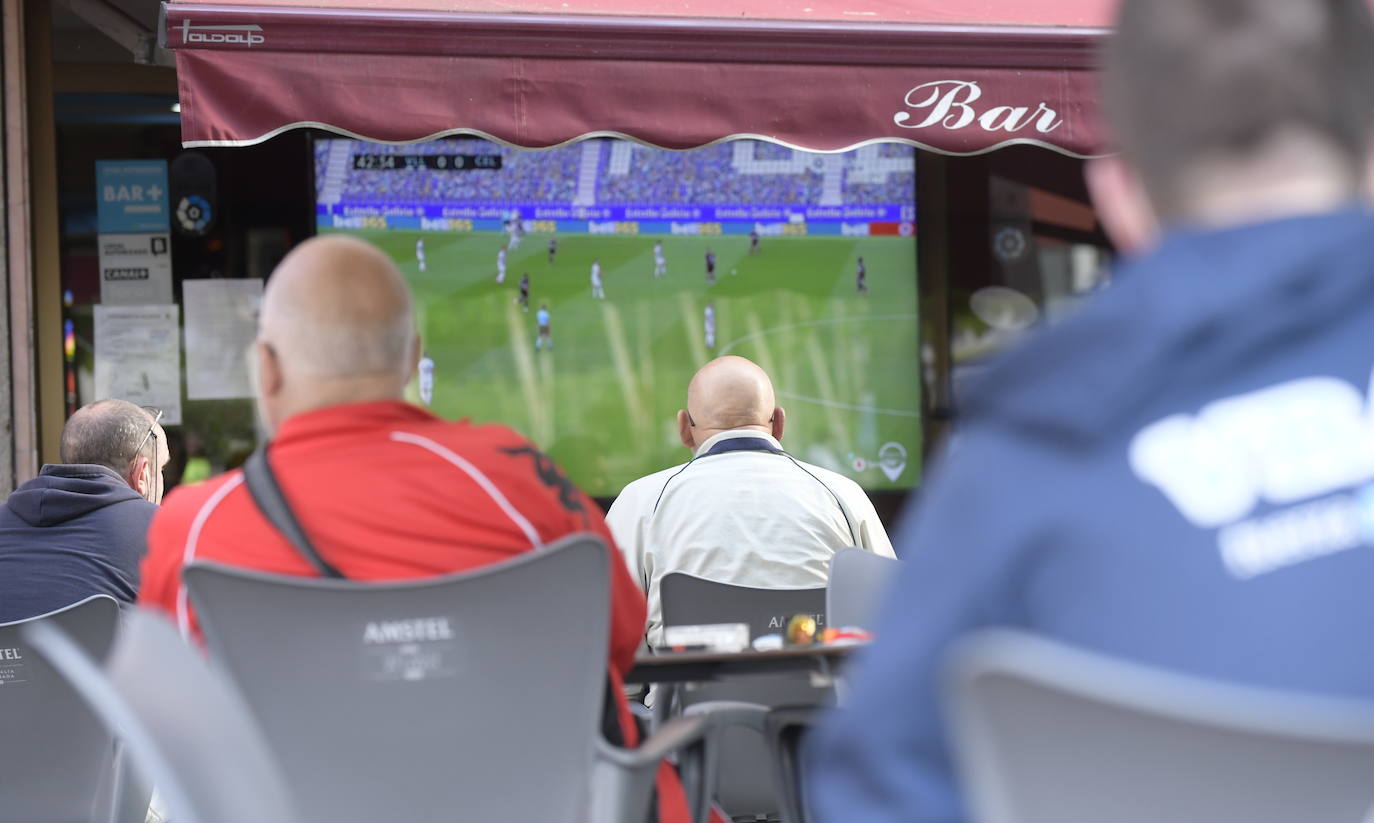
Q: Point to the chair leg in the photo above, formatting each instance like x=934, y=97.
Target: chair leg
x=785, y=730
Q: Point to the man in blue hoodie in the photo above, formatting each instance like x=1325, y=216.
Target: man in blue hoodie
x=79, y=528
x=1183, y=473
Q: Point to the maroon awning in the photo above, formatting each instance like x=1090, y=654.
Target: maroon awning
x=826, y=75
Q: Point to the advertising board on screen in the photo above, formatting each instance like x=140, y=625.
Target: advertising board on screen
x=571, y=293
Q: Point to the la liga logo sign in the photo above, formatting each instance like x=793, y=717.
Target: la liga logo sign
x=950, y=104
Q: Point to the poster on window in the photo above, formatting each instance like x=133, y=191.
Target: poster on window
x=134, y=239
x=221, y=324
x=135, y=269
x=138, y=357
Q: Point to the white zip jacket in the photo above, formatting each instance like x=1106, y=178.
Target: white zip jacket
x=752, y=518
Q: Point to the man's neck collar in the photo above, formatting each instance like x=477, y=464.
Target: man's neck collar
x=348, y=417
x=731, y=434
x=1292, y=174
x=83, y=471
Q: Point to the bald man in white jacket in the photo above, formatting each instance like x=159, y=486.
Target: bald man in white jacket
x=741, y=510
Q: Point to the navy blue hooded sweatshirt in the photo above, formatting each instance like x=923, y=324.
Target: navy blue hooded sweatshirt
x=71, y=532
x=1182, y=474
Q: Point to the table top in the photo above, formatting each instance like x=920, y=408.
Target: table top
x=677, y=667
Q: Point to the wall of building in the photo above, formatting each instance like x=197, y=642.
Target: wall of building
x=6, y=411
x=22, y=69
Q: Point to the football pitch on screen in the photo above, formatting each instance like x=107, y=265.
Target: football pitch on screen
x=602, y=401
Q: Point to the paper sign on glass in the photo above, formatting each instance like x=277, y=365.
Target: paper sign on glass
x=138, y=357
x=221, y=323
x=135, y=269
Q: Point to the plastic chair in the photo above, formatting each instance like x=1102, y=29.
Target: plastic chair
x=474, y=696
x=58, y=762
x=746, y=775
x=785, y=728
x=858, y=584
x=688, y=600
x=181, y=722
x=1050, y=734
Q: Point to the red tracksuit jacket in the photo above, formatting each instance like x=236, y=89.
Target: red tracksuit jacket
x=388, y=491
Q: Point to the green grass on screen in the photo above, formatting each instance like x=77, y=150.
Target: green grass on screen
x=603, y=401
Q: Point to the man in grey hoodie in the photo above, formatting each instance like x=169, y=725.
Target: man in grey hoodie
x=79, y=528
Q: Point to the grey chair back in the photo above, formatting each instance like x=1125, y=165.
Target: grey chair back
x=745, y=786
x=474, y=696
x=858, y=584
x=689, y=600
x=57, y=760
x=182, y=723
x=1051, y=734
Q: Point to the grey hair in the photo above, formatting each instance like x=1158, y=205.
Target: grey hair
x=105, y=433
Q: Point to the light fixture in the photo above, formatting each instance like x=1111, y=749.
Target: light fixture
x=176, y=108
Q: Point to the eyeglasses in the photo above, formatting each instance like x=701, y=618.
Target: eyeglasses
x=154, y=470
x=157, y=416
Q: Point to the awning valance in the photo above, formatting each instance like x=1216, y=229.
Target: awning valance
x=824, y=75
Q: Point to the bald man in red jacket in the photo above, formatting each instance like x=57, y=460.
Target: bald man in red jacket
x=384, y=489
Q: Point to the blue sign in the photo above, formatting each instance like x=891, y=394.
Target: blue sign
x=747, y=213
x=131, y=196
x=326, y=222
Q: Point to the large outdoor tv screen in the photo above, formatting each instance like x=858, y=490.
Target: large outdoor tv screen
x=645, y=264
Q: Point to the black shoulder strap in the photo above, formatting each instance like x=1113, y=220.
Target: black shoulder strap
x=267, y=494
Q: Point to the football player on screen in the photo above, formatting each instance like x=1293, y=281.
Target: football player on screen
x=660, y=262
x=541, y=318
x=426, y=372
x=516, y=227
x=597, y=291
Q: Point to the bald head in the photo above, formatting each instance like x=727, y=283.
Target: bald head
x=729, y=393
x=336, y=327
x=337, y=307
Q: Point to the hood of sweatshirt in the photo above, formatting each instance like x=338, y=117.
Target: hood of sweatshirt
x=64, y=492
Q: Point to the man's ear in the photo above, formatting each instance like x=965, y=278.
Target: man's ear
x=139, y=478
x=270, y=377
x=1122, y=204
x=684, y=429
x=779, y=422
